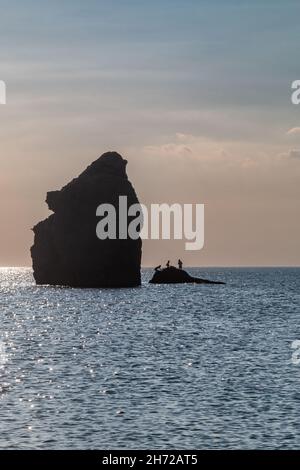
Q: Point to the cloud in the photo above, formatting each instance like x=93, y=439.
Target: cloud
x=203, y=151
x=184, y=137
x=294, y=153
x=170, y=149
x=293, y=131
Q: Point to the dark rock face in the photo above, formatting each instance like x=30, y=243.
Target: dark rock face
x=173, y=275
x=66, y=249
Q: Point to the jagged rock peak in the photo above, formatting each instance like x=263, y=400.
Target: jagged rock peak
x=109, y=162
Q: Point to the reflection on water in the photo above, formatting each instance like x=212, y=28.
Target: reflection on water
x=151, y=367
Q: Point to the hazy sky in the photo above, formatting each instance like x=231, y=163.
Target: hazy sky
x=195, y=94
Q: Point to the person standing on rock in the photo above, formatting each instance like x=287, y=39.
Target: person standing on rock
x=168, y=264
x=180, y=264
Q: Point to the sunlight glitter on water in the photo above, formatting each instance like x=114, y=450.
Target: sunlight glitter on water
x=151, y=367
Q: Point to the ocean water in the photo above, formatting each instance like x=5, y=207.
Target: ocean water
x=157, y=367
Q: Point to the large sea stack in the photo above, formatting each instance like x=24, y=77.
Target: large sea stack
x=66, y=249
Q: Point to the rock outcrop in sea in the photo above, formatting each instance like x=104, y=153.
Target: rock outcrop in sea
x=66, y=249
x=173, y=275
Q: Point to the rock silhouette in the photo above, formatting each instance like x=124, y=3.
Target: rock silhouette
x=66, y=249
x=173, y=275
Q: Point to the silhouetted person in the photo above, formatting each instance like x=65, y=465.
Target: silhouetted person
x=157, y=268
x=168, y=264
x=180, y=264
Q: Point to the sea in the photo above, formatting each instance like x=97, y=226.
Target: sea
x=155, y=367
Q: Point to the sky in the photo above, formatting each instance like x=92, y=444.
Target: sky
x=196, y=95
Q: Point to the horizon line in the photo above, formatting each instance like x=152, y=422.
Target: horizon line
x=188, y=266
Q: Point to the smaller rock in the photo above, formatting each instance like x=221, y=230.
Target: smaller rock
x=173, y=275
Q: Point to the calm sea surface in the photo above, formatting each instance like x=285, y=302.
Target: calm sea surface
x=161, y=367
